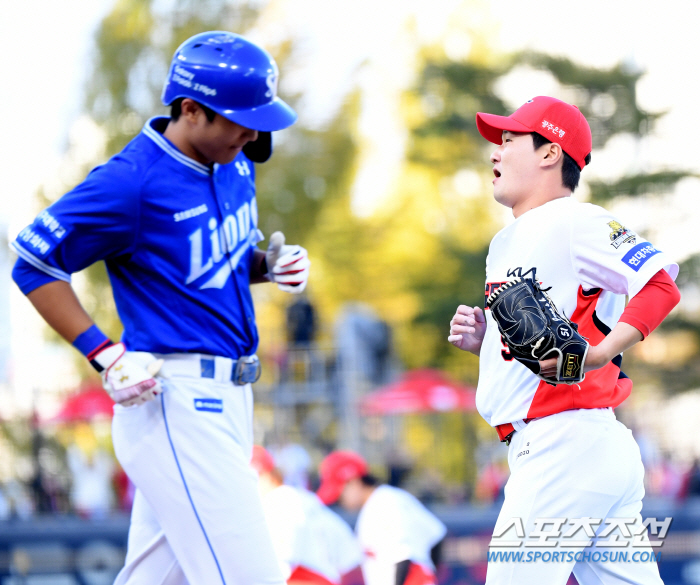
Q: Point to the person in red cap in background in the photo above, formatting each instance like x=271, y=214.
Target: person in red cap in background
x=401, y=539
x=575, y=470
x=314, y=545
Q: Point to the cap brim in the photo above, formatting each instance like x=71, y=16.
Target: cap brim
x=276, y=115
x=329, y=492
x=491, y=126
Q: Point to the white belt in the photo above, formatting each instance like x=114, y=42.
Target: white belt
x=193, y=365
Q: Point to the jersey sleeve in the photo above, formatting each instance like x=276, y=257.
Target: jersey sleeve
x=28, y=277
x=95, y=221
x=607, y=254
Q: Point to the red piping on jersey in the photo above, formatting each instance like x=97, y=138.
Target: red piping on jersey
x=601, y=388
x=650, y=306
x=303, y=575
x=418, y=575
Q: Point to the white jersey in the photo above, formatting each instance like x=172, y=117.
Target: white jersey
x=591, y=261
x=393, y=526
x=305, y=533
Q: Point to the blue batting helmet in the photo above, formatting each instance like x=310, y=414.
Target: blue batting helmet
x=232, y=76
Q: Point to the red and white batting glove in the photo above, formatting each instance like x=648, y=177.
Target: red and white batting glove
x=291, y=269
x=126, y=380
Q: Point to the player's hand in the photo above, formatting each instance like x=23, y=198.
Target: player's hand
x=126, y=380
x=549, y=367
x=467, y=329
x=595, y=358
x=291, y=269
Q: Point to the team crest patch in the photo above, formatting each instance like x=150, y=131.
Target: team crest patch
x=621, y=235
x=208, y=404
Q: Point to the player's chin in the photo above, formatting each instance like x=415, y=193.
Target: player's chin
x=228, y=156
x=501, y=197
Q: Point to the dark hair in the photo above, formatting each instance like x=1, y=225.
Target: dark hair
x=570, y=173
x=176, y=110
x=369, y=480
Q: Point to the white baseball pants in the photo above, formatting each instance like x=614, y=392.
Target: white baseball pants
x=574, y=464
x=197, y=517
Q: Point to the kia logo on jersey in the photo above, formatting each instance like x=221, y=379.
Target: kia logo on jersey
x=510, y=273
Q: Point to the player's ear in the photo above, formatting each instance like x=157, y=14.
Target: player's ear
x=190, y=110
x=552, y=154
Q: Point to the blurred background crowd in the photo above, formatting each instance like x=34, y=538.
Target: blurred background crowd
x=386, y=182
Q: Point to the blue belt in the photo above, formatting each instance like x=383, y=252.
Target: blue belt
x=244, y=370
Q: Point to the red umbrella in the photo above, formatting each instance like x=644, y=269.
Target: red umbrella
x=91, y=402
x=419, y=391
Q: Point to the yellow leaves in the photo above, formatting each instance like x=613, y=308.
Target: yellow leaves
x=129, y=20
x=442, y=443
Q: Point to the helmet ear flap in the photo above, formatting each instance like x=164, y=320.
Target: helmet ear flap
x=259, y=150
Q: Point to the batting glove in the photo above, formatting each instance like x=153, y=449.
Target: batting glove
x=290, y=269
x=125, y=380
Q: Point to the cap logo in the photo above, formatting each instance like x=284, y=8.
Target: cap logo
x=347, y=472
x=554, y=129
x=271, y=82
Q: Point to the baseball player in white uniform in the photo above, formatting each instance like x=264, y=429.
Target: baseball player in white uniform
x=314, y=545
x=569, y=458
x=400, y=538
x=174, y=217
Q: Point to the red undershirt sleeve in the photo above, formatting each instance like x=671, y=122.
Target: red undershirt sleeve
x=650, y=306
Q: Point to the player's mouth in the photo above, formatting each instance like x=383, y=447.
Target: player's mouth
x=497, y=173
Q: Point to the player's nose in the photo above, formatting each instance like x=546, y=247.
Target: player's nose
x=496, y=155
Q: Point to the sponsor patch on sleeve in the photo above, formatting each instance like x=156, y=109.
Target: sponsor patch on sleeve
x=34, y=242
x=637, y=256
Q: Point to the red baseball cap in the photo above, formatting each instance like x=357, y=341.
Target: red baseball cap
x=554, y=119
x=262, y=461
x=336, y=470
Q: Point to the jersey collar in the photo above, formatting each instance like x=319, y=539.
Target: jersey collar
x=150, y=130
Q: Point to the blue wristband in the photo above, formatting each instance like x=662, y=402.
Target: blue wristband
x=91, y=340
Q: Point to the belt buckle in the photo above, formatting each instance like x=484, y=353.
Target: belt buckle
x=247, y=370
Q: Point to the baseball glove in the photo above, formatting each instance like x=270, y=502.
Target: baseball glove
x=534, y=330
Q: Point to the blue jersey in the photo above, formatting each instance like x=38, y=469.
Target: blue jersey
x=177, y=238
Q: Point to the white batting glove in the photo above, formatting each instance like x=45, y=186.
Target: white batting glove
x=125, y=380
x=290, y=269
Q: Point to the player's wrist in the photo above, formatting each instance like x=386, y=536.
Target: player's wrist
x=90, y=343
x=597, y=357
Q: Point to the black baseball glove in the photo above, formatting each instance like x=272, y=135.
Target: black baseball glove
x=534, y=330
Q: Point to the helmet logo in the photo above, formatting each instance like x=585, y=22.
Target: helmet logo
x=271, y=82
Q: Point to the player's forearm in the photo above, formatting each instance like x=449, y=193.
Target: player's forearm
x=57, y=304
x=621, y=338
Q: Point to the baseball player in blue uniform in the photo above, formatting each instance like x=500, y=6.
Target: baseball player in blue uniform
x=174, y=217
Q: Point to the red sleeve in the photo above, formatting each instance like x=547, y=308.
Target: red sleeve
x=649, y=307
